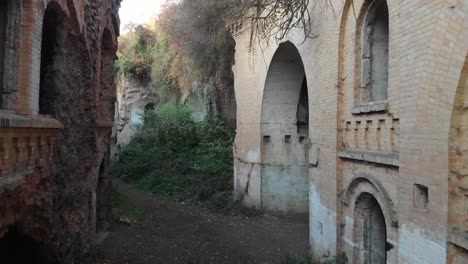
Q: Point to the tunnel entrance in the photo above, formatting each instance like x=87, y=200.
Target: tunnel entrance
x=370, y=231
x=285, y=131
x=17, y=248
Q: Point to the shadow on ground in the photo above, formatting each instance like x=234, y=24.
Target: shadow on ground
x=169, y=232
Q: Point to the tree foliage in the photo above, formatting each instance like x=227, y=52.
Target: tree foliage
x=187, y=48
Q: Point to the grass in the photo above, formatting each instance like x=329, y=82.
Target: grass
x=123, y=207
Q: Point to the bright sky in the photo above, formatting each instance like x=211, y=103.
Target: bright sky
x=138, y=11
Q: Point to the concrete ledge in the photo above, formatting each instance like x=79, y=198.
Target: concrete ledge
x=9, y=120
x=385, y=158
x=375, y=107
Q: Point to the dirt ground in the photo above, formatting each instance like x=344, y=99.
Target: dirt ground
x=171, y=232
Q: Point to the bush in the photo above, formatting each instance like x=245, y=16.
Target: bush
x=175, y=156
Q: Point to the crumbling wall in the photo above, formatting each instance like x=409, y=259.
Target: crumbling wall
x=55, y=127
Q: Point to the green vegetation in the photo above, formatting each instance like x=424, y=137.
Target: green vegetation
x=187, y=48
x=124, y=208
x=340, y=259
x=174, y=156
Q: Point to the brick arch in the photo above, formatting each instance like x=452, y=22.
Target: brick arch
x=363, y=193
x=367, y=184
x=284, y=180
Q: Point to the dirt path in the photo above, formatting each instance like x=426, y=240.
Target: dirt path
x=174, y=233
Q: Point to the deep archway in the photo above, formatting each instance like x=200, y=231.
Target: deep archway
x=18, y=248
x=285, y=127
x=370, y=233
x=48, y=95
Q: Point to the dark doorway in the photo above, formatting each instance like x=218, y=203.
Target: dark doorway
x=17, y=248
x=370, y=231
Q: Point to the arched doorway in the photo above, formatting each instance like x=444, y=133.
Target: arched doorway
x=284, y=128
x=370, y=233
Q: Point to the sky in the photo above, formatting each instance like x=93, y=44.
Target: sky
x=138, y=11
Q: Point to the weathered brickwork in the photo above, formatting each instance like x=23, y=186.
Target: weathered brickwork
x=386, y=163
x=56, y=116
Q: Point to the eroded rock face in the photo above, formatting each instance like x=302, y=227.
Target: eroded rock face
x=133, y=97
x=56, y=116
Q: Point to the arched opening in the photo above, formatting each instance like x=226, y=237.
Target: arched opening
x=150, y=106
x=107, y=87
x=374, y=52
x=458, y=166
x=3, y=26
x=370, y=233
x=15, y=247
x=284, y=128
x=47, y=89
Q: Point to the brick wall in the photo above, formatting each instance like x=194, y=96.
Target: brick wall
x=396, y=150
x=53, y=169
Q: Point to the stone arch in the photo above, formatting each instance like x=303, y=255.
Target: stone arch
x=284, y=128
x=367, y=184
x=372, y=40
x=458, y=170
x=366, y=200
x=51, y=27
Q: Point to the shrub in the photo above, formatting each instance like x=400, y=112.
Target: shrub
x=175, y=156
